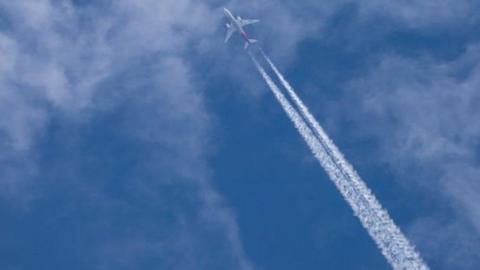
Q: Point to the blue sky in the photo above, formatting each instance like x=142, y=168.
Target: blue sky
x=133, y=138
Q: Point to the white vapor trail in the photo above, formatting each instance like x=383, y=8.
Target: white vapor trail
x=388, y=237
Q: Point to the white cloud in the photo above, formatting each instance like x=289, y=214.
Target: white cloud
x=424, y=114
x=423, y=14
x=56, y=58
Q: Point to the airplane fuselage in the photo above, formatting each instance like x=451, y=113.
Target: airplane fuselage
x=234, y=22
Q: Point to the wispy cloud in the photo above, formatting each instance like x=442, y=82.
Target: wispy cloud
x=425, y=14
x=68, y=62
x=425, y=115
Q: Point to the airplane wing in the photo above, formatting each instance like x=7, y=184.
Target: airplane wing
x=247, y=22
x=231, y=30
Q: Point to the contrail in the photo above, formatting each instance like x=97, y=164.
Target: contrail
x=307, y=134
x=388, y=237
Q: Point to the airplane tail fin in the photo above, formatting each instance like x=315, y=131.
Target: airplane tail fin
x=250, y=41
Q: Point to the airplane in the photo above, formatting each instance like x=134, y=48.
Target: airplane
x=236, y=25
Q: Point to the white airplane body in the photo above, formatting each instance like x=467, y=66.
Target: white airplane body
x=236, y=25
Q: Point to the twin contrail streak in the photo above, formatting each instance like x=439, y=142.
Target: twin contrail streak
x=388, y=237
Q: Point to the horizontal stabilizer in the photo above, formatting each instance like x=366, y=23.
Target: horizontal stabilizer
x=247, y=22
x=250, y=41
